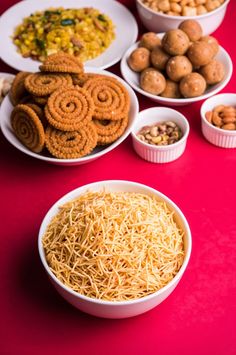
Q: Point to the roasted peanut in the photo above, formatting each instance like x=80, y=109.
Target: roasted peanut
x=154, y=131
x=164, y=5
x=175, y=7
x=183, y=7
x=189, y=11
x=200, y=2
x=201, y=10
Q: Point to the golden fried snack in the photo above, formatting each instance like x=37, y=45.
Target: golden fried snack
x=40, y=113
x=40, y=100
x=110, y=97
x=62, y=63
x=109, y=131
x=28, y=128
x=17, y=91
x=26, y=99
x=69, y=108
x=71, y=145
x=43, y=84
x=80, y=79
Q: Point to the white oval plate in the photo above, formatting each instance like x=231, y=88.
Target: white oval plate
x=133, y=79
x=126, y=30
x=5, y=124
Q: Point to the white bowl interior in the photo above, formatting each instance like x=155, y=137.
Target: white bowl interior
x=132, y=79
x=5, y=112
x=115, y=186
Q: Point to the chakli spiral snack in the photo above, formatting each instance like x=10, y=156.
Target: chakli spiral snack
x=28, y=127
x=80, y=79
x=40, y=113
x=109, y=131
x=69, y=108
x=43, y=84
x=110, y=98
x=58, y=107
x=62, y=63
x=18, y=91
x=70, y=145
x=41, y=100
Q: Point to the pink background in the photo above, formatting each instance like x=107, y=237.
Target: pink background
x=198, y=318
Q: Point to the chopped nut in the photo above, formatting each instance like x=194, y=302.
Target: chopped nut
x=162, y=133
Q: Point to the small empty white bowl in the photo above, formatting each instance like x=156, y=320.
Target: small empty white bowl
x=158, y=153
x=217, y=136
x=157, y=22
x=132, y=79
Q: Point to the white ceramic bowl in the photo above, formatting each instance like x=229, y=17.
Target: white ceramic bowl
x=108, y=309
x=217, y=136
x=157, y=22
x=155, y=153
x=5, y=113
x=132, y=79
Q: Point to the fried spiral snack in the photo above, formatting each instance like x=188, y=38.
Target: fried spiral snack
x=40, y=100
x=80, y=79
x=70, y=145
x=41, y=84
x=110, y=97
x=69, y=108
x=40, y=113
x=62, y=63
x=109, y=131
x=28, y=128
x=17, y=91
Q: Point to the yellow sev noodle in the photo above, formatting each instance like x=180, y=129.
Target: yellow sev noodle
x=114, y=246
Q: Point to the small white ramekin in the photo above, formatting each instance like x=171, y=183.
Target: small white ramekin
x=157, y=153
x=217, y=136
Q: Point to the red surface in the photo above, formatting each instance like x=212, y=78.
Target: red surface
x=198, y=318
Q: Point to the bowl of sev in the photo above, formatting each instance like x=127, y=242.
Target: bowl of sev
x=114, y=249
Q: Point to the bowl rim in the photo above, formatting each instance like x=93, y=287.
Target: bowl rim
x=162, y=147
x=172, y=101
x=53, y=210
x=203, y=112
x=208, y=14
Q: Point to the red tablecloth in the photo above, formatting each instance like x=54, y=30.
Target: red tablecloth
x=198, y=318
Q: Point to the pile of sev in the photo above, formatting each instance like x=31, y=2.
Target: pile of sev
x=114, y=246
